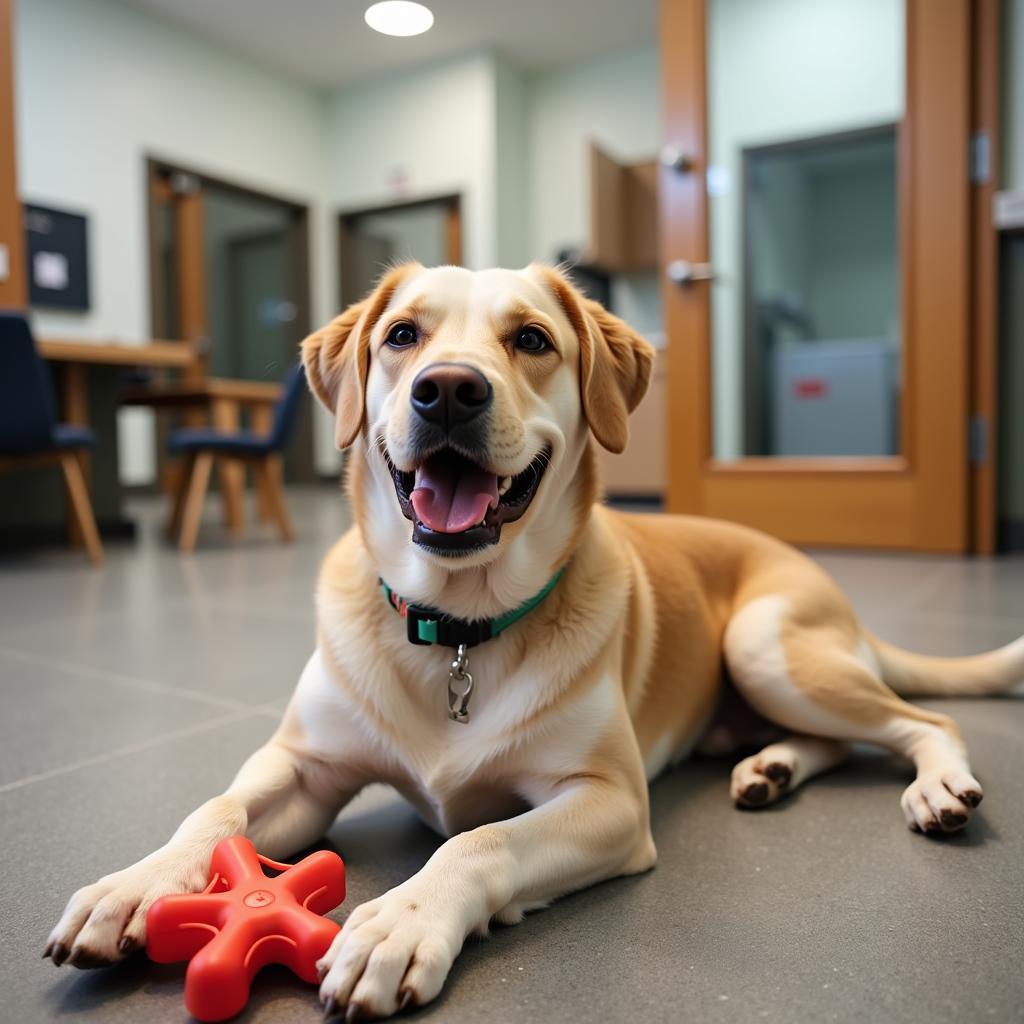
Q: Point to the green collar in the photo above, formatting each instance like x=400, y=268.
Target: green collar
x=429, y=626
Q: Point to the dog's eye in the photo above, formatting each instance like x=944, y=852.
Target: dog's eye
x=532, y=340
x=401, y=336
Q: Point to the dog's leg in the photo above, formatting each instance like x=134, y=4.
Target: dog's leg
x=397, y=950
x=815, y=679
x=763, y=778
x=279, y=799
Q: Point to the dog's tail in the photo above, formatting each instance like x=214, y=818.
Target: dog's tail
x=917, y=675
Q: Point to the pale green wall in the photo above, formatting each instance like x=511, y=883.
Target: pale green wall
x=1012, y=36
x=103, y=84
x=779, y=71
x=426, y=132
x=615, y=101
x=512, y=165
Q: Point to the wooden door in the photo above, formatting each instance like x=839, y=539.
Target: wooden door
x=916, y=495
x=13, y=288
x=428, y=230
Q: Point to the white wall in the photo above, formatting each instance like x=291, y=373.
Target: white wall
x=101, y=85
x=426, y=132
x=780, y=71
x=512, y=165
x=613, y=100
x=110, y=84
x=1013, y=94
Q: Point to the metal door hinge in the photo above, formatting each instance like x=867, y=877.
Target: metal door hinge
x=977, y=440
x=980, y=158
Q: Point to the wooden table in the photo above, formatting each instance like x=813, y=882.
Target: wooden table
x=76, y=356
x=226, y=400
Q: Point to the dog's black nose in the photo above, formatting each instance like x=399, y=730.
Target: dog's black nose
x=450, y=393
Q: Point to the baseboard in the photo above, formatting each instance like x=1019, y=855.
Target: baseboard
x=20, y=538
x=1010, y=535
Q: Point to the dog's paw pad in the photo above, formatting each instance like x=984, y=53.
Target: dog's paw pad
x=940, y=805
x=755, y=794
x=781, y=774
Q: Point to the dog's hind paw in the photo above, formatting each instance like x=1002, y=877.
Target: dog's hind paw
x=938, y=804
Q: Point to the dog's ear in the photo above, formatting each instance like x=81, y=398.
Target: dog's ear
x=615, y=363
x=337, y=357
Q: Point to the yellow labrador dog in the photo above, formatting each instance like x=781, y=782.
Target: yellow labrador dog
x=518, y=660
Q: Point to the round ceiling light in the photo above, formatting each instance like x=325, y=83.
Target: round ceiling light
x=399, y=18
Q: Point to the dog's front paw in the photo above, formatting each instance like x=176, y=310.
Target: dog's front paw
x=106, y=921
x=393, y=952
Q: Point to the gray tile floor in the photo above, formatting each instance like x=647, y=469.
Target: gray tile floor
x=131, y=694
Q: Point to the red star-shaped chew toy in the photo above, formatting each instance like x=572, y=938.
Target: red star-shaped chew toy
x=244, y=920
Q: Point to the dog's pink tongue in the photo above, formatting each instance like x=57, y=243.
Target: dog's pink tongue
x=453, y=494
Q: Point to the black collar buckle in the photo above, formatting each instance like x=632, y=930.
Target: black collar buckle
x=426, y=627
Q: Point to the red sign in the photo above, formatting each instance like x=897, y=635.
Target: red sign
x=810, y=387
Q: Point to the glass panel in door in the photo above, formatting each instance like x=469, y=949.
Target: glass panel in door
x=804, y=102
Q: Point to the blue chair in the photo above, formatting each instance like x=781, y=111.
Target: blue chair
x=29, y=432
x=202, y=446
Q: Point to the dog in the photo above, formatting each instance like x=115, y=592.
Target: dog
x=518, y=660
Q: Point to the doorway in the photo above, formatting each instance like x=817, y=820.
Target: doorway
x=229, y=271
x=779, y=333
x=428, y=230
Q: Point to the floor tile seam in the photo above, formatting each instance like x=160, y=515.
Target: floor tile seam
x=242, y=608
x=133, y=682
x=134, y=748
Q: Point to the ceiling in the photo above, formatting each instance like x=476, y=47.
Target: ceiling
x=326, y=42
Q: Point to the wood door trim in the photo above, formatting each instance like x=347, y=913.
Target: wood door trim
x=157, y=168
x=13, y=290
x=824, y=467
x=919, y=500
x=684, y=235
x=449, y=198
x=452, y=203
x=297, y=233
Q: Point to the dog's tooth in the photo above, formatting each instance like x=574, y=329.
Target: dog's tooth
x=505, y=484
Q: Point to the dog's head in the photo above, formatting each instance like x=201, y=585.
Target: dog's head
x=475, y=395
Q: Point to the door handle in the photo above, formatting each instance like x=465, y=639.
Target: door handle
x=676, y=158
x=683, y=272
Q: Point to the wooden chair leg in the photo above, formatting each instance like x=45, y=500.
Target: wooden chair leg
x=261, y=420
x=231, y=477
x=270, y=484
x=184, y=474
x=198, y=482
x=264, y=499
x=81, y=506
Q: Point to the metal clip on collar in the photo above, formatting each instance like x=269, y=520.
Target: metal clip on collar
x=458, y=702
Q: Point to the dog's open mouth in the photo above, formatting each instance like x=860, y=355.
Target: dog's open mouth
x=456, y=505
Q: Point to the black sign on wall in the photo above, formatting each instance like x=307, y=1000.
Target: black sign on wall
x=57, y=252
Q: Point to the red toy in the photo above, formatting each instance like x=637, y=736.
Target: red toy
x=244, y=920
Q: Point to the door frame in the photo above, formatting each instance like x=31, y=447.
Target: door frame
x=192, y=279
x=14, y=286
x=917, y=500
x=452, y=203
